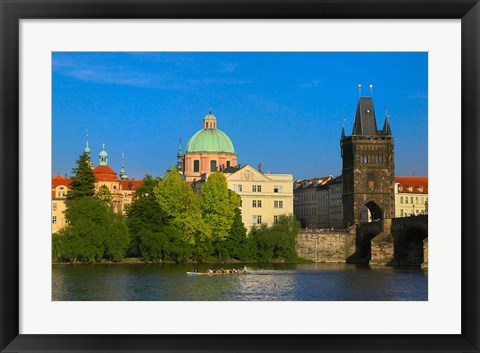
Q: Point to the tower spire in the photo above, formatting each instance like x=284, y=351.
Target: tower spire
x=123, y=172
x=386, y=125
x=87, y=149
x=180, y=156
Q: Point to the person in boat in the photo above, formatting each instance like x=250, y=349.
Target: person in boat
x=245, y=269
x=195, y=270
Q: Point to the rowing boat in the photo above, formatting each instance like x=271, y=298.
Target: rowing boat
x=214, y=273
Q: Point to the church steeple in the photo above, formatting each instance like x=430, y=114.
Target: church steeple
x=103, y=156
x=87, y=151
x=123, y=172
x=180, y=156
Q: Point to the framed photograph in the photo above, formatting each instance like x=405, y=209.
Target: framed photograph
x=230, y=176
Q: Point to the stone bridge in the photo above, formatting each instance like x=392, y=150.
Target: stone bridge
x=399, y=241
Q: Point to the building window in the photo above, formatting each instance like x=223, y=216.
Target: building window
x=228, y=164
x=67, y=221
x=237, y=187
x=278, y=188
x=275, y=219
x=406, y=199
x=256, y=188
x=213, y=166
x=370, y=181
x=411, y=199
x=196, y=166
x=54, y=219
x=423, y=200
x=401, y=212
x=416, y=200
x=277, y=204
x=257, y=219
x=401, y=199
x=256, y=203
x=54, y=206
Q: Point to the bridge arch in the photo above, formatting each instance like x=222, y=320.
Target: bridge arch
x=410, y=246
x=371, y=212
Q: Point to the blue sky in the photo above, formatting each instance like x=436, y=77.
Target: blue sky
x=284, y=110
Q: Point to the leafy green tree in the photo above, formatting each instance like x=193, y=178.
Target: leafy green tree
x=94, y=232
x=278, y=241
x=144, y=216
x=151, y=245
x=83, y=180
x=218, y=206
x=284, y=237
x=237, y=245
x=181, y=206
x=104, y=195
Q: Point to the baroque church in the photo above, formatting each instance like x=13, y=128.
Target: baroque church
x=265, y=196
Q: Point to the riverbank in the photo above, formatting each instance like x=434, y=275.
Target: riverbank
x=139, y=261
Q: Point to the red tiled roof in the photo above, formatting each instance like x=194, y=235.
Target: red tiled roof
x=58, y=180
x=104, y=172
x=418, y=184
x=133, y=183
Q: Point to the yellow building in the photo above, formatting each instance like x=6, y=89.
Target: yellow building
x=411, y=196
x=264, y=196
x=122, y=189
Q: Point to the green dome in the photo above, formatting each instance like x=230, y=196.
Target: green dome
x=210, y=140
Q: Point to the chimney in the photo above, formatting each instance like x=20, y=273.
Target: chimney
x=260, y=167
x=66, y=177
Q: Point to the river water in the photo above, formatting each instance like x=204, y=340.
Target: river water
x=286, y=282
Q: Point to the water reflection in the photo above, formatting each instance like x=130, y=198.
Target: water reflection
x=267, y=282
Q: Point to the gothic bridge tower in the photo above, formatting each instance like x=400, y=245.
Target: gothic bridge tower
x=368, y=169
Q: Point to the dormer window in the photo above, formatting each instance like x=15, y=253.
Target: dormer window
x=410, y=189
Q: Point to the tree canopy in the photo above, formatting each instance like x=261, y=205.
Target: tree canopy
x=218, y=206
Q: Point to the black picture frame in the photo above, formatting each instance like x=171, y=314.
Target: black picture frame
x=12, y=11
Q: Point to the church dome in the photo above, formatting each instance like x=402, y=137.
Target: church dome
x=210, y=139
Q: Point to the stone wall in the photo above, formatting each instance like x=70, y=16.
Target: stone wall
x=325, y=247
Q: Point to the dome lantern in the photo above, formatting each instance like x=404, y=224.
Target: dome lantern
x=103, y=156
x=209, y=121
